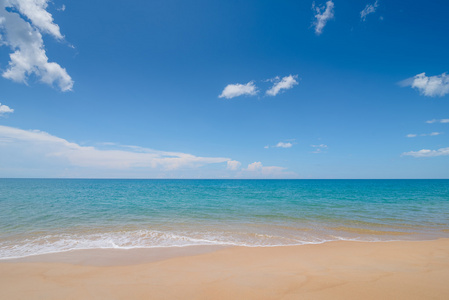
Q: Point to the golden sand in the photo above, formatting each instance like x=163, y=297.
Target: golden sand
x=334, y=270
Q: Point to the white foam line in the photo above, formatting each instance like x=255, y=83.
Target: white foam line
x=211, y=243
x=67, y=243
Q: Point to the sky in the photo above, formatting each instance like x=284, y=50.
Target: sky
x=224, y=89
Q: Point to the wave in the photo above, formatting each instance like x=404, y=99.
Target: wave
x=17, y=247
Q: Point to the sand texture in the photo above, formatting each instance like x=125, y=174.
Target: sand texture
x=334, y=270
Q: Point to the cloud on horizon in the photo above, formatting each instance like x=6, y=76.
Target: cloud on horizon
x=258, y=170
x=428, y=153
x=324, y=13
x=37, y=153
x=233, y=165
x=22, y=23
x=39, y=146
x=430, y=86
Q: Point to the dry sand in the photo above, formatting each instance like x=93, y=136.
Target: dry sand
x=335, y=270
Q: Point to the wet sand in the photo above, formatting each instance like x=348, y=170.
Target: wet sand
x=334, y=270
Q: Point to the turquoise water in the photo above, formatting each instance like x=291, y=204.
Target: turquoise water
x=50, y=215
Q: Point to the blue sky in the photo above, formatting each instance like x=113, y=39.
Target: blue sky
x=224, y=89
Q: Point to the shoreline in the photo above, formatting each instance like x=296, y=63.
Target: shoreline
x=332, y=270
x=102, y=256
x=34, y=252
x=141, y=255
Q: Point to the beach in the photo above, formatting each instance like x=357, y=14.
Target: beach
x=224, y=150
x=224, y=239
x=333, y=270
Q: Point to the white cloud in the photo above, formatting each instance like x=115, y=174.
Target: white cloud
x=428, y=153
x=35, y=11
x=40, y=147
x=283, y=145
x=233, y=165
x=25, y=153
x=255, y=166
x=4, y=109
x=429, y=86
x=319, y=148
x=323, y=14
x=21, y=25
x=235, y=90
x=438, y=121
x=369, y=9
x=286, y=83
x=257, y=170
x=412, y=135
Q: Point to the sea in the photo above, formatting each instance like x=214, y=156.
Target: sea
x=39, y=216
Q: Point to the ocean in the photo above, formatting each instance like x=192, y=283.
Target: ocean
x=39, y=216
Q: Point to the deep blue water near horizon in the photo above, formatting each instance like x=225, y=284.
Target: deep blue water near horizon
x=50, y=215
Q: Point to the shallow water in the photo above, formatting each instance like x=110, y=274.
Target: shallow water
x=51, y=215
